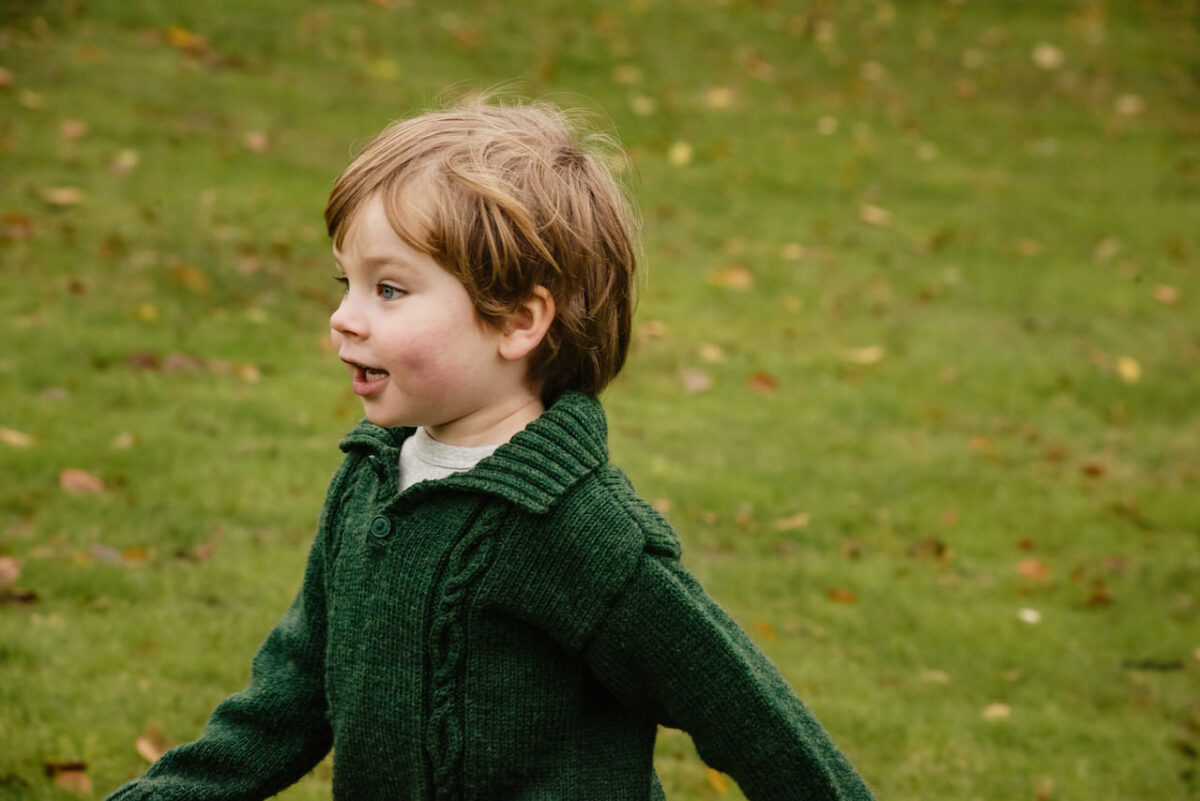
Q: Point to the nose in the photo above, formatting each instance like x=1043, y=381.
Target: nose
x=346, y=321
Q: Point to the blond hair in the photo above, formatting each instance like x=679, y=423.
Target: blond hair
x=507, y=198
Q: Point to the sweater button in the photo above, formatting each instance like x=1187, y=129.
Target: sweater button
x=381, y=527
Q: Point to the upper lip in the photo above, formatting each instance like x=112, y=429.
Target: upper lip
x=359, y=365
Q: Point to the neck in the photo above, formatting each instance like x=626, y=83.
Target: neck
x=493, y=426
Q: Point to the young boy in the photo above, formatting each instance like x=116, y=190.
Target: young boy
x=489, y=611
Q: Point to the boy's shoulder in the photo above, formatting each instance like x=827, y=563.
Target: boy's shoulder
x=607, y=504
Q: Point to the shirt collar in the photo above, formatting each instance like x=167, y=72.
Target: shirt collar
x=532, y=470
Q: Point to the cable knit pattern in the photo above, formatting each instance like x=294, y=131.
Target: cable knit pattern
x=515, y=632
x=447, y=640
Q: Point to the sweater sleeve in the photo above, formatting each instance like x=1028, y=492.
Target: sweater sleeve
x=266, y=737
x=667, y=648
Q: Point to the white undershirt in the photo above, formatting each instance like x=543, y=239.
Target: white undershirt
x=423, y=458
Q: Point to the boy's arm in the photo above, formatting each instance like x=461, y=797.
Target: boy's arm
x=666, y=647
x=266, y=737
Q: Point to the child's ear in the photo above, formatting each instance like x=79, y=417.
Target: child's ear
x=527, y=326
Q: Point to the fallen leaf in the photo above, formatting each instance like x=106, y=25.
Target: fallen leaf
x=874, y=215
x=126, y=161
x=1129, y=105
x=1129, y=369
x=63, y=196
x=70, y=776
x=1029, y=616
x=719, y=97
x=718, y=781
x=871, y=354
x=183, y=39
x=695, y=380
x=737, y=277
x=997, y=711
x=680, y=154
x=792, y=522
x=10, y=570
x=191, y=278
x=1034, y=569
x=1166, y=295
x=123, y=441
x=766, y=630
x=712, y=353
x=257, y=141
x=72, y=130
x=763, y=382
x=1047, y=56
x=152, y=744
x=18, y=227
x=16, y=439
x=842, y=595
x=135, y=555
x=79, y=482
x=249, y=373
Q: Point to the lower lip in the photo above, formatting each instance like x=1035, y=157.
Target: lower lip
x=364, y=387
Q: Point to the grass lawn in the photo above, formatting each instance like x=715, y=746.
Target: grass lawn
x=916, y=376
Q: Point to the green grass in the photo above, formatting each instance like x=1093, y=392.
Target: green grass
x=1042, y=228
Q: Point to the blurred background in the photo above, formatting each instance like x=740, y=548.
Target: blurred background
x=915, y=372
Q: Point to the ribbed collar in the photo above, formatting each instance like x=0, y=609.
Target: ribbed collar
x=568, y=441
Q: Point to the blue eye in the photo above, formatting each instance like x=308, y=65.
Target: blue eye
x=388, y=292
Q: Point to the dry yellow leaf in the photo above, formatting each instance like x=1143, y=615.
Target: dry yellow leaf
x=17, y=439
x=874, y=215
x=1129, y=369
x=680, y=154
x=1047, y=56
x=192, y=278
x=732, y=278
x=63, y=196
x=792, y=522
x=718, y=781
x=719, y=97
x=152, y=744
x=871, y=354
x=766, y=630
x=997, y=711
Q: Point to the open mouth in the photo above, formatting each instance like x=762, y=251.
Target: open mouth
x=367, y=380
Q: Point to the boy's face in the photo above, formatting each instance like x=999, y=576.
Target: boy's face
x=417, y=352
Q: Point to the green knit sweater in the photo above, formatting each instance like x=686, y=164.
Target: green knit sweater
x=517, y=632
